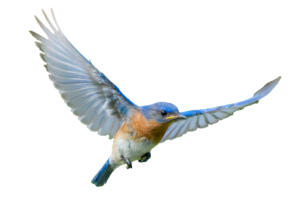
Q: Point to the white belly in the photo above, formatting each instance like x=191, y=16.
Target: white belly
x=133, y=150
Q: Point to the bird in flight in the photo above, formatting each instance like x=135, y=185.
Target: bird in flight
x=101, y=105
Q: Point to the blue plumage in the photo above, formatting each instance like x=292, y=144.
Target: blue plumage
x=204, y=117
x=102, y=176
x=155, y=111
x=256, y=97
x=101, y=105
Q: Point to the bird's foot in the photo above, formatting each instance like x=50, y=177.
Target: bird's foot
x=145, y=157
x=127, y=162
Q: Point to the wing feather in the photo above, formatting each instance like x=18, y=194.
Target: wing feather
x=91, y=95
x=204, y=117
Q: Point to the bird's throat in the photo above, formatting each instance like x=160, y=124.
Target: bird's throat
x=150, y=129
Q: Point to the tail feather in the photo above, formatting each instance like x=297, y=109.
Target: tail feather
x=102, y=176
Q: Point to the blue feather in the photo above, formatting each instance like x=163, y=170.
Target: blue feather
x=84, y=88
x=102, y=176
x=204, y=117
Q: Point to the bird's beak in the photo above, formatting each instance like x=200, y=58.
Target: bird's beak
x=173, y=117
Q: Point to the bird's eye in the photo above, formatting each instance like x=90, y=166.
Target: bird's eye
x=163, y=112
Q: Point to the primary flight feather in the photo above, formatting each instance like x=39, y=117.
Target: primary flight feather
x=101, y=105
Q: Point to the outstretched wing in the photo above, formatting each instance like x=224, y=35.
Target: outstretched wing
x=92, y=96
x=204, y=117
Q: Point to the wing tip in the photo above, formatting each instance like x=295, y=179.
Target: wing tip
x=34, y=34
x=277, y=79
x=39, y=45
x=267, y=88
x=43, y=57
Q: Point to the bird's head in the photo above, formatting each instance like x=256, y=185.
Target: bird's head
x=162, y=112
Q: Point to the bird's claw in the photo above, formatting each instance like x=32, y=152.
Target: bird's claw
x=127, y=162
x=145, y=157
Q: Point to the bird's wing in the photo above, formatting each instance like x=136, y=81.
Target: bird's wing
x=204, y=117
x=92, y=96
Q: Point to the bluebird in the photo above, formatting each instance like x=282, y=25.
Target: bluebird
x=101, y=105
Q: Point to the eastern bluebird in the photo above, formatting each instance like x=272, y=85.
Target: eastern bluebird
x=104, y=108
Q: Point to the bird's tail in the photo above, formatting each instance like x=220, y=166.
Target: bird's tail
x=102, y=176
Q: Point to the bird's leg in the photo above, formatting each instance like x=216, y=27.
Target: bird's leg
x=145, y=157
x=127, y=162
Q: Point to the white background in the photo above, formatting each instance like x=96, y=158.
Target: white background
x=196, y=54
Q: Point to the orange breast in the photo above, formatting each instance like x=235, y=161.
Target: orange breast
x=149, y=129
